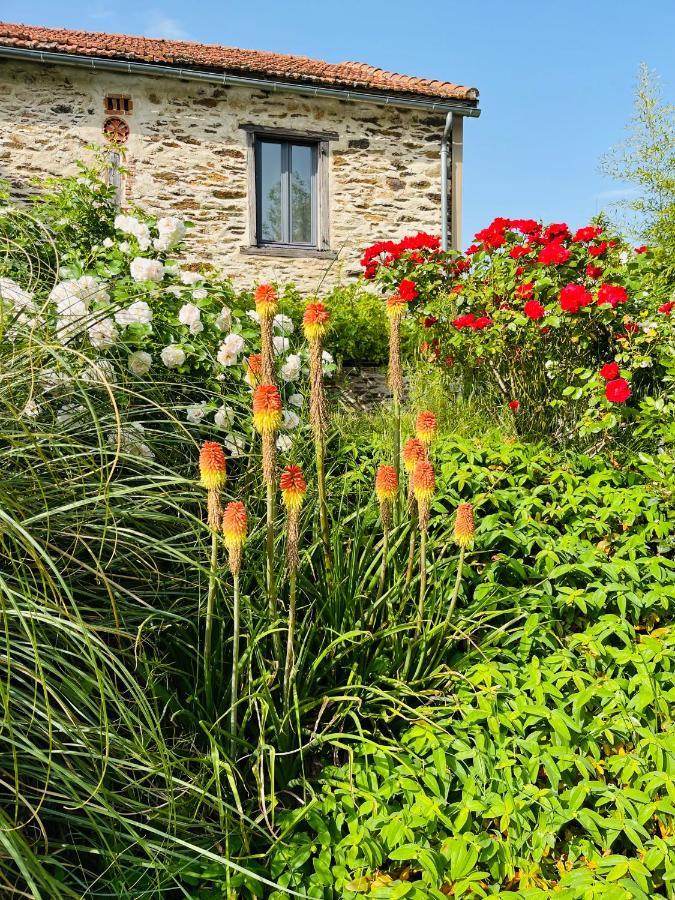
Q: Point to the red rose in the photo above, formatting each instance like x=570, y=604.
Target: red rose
x=667, y=308
x=481, y=322
x=586, y=234
x=465, y=321
x=517, y=252
x=643, y=249
x=474, y=248
x=544, y=329
x=534, y=310
x=594, y=271
x=558, y=230
x=407, y=290
x=612, y=294
x=519, y=271
x=609, y=371
x=554, y=254
x=617, y=391
x=523, y=291
x=599, y=249
x=631, y=327
x=514, y=404
x=430, y=321
x=525, y=226
x=573, y=297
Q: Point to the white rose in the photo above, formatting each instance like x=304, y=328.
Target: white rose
x=143, y=269
x=226, y=358
x=190, y=316
x=281, y=344
x=196, y=413
x=15, y=294
x=284, y=443
x=173, y=356
x=67, y=297
x=624, y=256
x=138, y=313
x=130, y=438
x=200, y=294
x=291, y=420
x=252, y=314
x=230, y=349
x=224, y=417
x=171, y=232
x=100, y=372
x=91, y=288
x=235, y=444
x=224, y=320
x=290, y=370
x=282, y=323
x=191, y=277
x=139, y=363
x=108, y=243
x=326, y=358
x=103, y=334
x=296, y=400
x=125, y=246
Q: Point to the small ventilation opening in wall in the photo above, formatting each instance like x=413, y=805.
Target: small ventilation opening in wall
x=118, y=103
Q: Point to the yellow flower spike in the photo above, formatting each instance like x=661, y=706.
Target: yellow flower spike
x=464, y=525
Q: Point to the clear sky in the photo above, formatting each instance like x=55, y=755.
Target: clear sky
x=556, y=78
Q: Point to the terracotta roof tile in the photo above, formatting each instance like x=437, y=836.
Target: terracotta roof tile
x=231, y=60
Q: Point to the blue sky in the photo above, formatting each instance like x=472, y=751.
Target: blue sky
x=556, y=79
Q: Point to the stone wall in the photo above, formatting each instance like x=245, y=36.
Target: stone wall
x=187, y=155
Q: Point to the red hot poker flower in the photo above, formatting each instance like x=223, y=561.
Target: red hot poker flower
x=386, y=484
x=464, y=525
x=413, y=450
x=234, y=524
x=266, y=408
x=266, y=299
x=212, y=466
x=426, y=427
x=617, y=391
x=423, y=481
x=609, y=371
x=315, y=320
x=293, y=487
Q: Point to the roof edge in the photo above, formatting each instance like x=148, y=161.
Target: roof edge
x=468, y=107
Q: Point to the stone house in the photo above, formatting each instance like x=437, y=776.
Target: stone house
x=287, y=166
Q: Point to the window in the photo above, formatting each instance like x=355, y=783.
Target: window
x=288, y=192
x=286, y=195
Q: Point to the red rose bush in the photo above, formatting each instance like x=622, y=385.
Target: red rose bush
x=567, y=331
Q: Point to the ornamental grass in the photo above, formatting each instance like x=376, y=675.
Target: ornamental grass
x=463, y=536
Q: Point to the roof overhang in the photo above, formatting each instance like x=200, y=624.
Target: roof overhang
x=428, y=104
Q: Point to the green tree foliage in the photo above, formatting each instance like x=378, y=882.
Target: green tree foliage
x=646, y=160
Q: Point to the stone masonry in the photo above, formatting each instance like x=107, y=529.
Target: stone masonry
x=187, y=155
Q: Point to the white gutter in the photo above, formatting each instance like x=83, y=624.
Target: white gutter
x=464, y=108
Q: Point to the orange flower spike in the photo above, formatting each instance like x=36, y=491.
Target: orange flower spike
x=413, y=450
x=315, y=321
x=253, y=367
x=266, y=301
x=423, y=481
x=293, y=487
x=426, y=427
x=464, y=525
x=235, y=525
x=386, y=484
x=396, y=306
x=212, y=469
x=267, y=414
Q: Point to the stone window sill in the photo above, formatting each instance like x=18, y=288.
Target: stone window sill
x=292, y=252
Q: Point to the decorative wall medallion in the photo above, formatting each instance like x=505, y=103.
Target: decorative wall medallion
x=116, y=130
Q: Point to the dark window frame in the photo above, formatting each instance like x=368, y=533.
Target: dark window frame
x=320, y=245
x=286, y=207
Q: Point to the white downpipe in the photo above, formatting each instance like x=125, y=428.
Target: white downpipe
x=444, y=180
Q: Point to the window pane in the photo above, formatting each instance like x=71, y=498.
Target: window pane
x=301, y=194
x=270, y=192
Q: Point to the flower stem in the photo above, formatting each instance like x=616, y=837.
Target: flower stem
x=234, y=694
x=411, y=546
x=423, y=579
x=271, y=580
x=290, y=639
x=458, y=581
x=383, y=568
x=210, y=608
x=323, y=505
